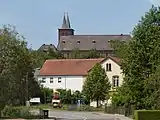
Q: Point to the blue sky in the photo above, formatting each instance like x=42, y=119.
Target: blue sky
x=38, y=20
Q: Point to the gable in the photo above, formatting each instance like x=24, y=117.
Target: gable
x=114, y=64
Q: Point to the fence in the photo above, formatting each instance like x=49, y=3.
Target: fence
x=127, y=111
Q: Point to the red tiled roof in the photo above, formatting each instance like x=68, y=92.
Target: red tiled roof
x=68, y=66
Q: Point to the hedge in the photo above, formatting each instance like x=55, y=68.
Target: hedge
x=17, y=112
x=147, y=115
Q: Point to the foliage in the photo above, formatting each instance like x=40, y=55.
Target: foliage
x=39, y=56
x=98, y=80
x=152, y=90
x=75, y=54
x=18, y=112
x=46, y=95
x=16, y=69
x=120, y=47
x=93, y=53
x=15, y=112
x=68, y=97
x=147, y=114
x=141, y=61
x=89, y=108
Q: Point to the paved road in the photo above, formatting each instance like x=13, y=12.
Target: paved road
x=69, y=115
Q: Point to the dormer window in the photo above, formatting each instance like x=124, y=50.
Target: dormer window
x=93, y=41
x=78, y=41
x=63, y=41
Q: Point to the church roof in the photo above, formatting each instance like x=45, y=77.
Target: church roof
x=88, y=42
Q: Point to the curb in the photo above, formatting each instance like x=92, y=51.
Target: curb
x=121, y=117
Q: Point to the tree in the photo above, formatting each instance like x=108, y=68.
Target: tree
x=142, y=58
x=120, y=48
x=16, y=69
x=152, y=90
x=93, y=53
x=39, y=57
x=75, y=54
x=96, y=86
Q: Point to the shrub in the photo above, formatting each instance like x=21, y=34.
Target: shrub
x=89, y=108
x=147, y=115
x=17, y=112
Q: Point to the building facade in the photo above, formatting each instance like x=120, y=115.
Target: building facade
x=68, y=41
x=71, y=73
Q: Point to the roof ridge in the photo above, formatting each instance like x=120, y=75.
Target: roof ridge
x=103, y=35
x=74, y=59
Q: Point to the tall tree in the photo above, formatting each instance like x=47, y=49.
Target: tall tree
x=142, y=57
x=120, y=47
x=97, y=86
x=16, y=68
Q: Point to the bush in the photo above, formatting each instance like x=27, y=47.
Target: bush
x=89, y=108
x=17, y=112
x=147, y=115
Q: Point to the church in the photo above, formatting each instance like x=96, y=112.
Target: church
x=68, y=41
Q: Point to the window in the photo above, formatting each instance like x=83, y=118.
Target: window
x=108, y=67
x=43, y=80
x=115, y=81
x=51, y=79
x=59, y=80
x=93, y=41
x=78, y=41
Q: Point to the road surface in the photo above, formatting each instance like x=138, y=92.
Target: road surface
x=72, y=115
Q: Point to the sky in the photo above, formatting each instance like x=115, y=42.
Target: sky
x=38, y=20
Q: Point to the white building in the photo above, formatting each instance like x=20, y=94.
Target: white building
x=71, y=73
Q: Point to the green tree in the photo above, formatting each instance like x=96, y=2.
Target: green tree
x=152, y=90
x=142, y=58
x=93, y=53
x=16, y=69
x=39, y=57
x=75, y=54
x=120, y=47
x=97, y=86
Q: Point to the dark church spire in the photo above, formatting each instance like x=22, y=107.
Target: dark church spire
x=66, y=22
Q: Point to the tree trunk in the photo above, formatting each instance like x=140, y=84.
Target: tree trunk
x=97, y=103
x=2, y=105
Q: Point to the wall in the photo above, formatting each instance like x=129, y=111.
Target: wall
x=115, y=70
x=67, y=82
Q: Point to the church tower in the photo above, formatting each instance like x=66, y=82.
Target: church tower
x=65, y=29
